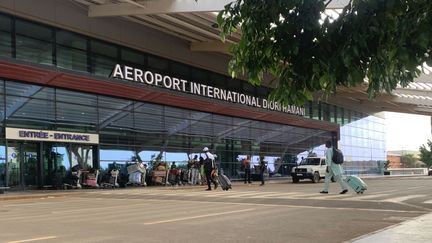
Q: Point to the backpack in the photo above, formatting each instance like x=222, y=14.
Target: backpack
x=337, y=156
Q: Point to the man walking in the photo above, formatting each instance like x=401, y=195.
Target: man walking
x=209, y=166
x=333, y=170
x=262, y=167
x=247, y=170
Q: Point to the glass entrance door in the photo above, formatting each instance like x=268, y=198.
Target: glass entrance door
x=23, y=164
x=56, y=163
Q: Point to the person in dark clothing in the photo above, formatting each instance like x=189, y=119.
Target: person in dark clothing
x=262, y=167
x=209, y=166
x=246, y=164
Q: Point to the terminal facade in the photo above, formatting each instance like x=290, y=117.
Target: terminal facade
x=76, y=90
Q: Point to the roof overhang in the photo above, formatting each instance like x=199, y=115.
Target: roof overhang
x=195, y=22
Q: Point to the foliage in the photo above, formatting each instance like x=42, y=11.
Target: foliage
x=408, y=160
x=381, y=41
x=426, y=153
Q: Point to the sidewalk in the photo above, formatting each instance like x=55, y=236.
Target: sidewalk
x=418, y=230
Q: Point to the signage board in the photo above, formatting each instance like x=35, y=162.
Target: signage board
x=51, y=136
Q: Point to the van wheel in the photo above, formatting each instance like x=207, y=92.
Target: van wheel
x=316, y=177
x=333, y=179
x=295, y=180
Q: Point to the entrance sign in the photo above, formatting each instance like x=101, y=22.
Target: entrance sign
x=178, y=84
x=51, y=136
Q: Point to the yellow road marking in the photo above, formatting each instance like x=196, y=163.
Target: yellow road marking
x=199, y=216
x=34, y=239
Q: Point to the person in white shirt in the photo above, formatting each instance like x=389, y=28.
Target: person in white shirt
x=333, y=170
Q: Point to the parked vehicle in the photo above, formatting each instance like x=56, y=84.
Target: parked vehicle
x=430, y=171
x=313, y=168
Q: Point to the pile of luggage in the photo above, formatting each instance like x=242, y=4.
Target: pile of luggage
x=137, y=173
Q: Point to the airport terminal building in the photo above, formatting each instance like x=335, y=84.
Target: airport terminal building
x=87, y=90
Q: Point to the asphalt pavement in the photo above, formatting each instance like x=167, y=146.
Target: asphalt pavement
x=393, y=209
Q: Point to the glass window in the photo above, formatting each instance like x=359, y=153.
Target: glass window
x=113, y=103
x=263, y=92
x=72, y=59
x=325, y=112
x=69, y=39
x=76, y=97
x=234, y=85
x=2, y=164
x=149, y=109
x=33, y=50
x=199, y=76
x=157, y=64
x=180, y=71
x=33, y=30
x=116, y=119
x=149, y=123
x=5, y=23
x=76, y=117
x=316, y=111
x=102, y=66
x=105, y=49
x=28, y=90
x=132, y=57
x=5, y=44
x=217, y=80
x=248, y=88
x=82, y=155
x=30, y=113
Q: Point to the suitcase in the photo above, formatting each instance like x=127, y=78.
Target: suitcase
x=224, y=182
x=357, y=184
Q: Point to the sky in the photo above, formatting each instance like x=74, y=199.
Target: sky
x=406, y=131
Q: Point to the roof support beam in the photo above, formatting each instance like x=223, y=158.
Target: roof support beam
x=157, y=7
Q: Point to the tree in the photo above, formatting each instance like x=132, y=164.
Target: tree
x=426, y=153
x=381, y=41
x=408, y=160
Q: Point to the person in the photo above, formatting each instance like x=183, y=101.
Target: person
x=262, y=167
x=173, y=166
x=202, y=172
x=194, y=171
x=333, y=170
x=246, y=164
x=209, y=167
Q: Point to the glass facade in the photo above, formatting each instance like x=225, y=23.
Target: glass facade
x=128, y=128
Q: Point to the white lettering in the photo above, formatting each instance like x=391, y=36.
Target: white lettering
x=148, y=74
x=158, y=79
x=253, y=102
x=216, y=92
x=265, y=103
x=176, y=84
x=203, y=89
x=235, y=97
x=197, y=89
x=117, y=73
x=223, y=94
x=210, y=91
x=128, y=73
x=138, y=73
x=167, y=82
x=183, y=84
x=242, y=99
x=229, y=97
x=150, y=78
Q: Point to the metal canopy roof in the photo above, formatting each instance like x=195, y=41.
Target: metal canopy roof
x=195, y=22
